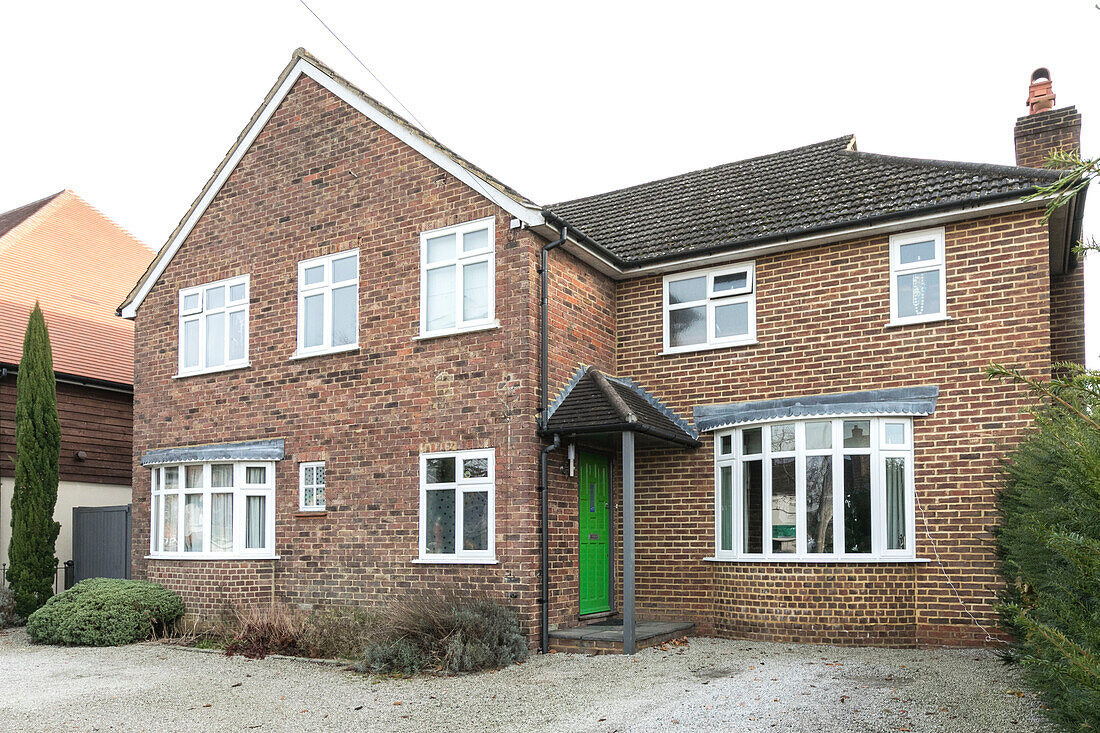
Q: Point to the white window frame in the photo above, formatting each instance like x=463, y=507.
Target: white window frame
x=938, y=264
x=302, y=486
x=325, y=288
x=461, y=486
x=460, y=261
x=712, y=300
x=878, y=451
x=240, y=490
x=199, y=315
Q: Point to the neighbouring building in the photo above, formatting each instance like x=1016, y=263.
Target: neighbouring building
x=76, y=263
x=764, y=411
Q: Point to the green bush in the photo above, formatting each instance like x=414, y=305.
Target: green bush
x=1049, y=541
x=443, y=633
x=105, y=612
x=8, y=616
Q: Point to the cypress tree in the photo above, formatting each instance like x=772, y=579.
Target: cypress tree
x=32, y=563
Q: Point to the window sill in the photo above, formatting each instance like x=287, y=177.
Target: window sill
x=709, y=347
x=311, y=513
x=455, y=331
x=212, y=556
x=918, y=322
x=216, y=370
x=310, y=354
x=850, y=560
x=455, y=560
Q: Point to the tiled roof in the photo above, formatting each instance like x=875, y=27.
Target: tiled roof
x=827, y=185
x=78, y=265
x=594, y=402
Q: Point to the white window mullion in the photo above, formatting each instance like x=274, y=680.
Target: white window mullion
x=800, y=488
x=878, y=515
x=766, y=458
x=838, y=487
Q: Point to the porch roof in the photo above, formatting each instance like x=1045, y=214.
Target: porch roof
x=594, y=403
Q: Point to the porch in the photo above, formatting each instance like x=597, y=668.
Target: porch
x=611, y=415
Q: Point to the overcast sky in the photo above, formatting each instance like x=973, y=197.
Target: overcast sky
x=133, y=104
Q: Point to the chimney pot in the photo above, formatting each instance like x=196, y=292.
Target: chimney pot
x=1040, y=95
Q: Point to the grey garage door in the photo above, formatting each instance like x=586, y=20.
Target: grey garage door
x=101, y=542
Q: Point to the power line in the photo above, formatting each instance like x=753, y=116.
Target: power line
x=365, y=67
x=476, y=178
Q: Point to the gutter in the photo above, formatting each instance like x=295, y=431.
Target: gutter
x=630, y=427
x=544, y=499
x=842, y=230
x=7, y=368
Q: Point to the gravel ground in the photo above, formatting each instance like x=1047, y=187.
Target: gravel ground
x=709, y=685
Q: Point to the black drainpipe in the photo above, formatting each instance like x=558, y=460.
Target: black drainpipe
x=544, y=399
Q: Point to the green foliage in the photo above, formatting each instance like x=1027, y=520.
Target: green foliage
x=8, y=616
x=443, y=633
x=105, y=612
x=32, y=564
x=1049, y=542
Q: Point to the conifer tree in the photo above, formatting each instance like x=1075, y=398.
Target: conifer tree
x=32, y=564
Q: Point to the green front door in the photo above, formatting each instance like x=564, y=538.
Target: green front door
x=595, y=532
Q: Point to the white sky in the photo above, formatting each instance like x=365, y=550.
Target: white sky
x=133, y=104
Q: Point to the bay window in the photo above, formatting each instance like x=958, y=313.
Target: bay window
x=213, y=510
x=710, y=308
x=829, y=488
x=457, y=506
x=213, y=326
x=457, y=279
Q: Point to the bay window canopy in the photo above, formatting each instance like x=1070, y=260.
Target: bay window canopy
x=249, y=450
x=901, y=401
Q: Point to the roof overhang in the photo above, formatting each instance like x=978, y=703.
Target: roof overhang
x=604, y=261
x=302, y=64
x=250, y=450
x=901, y=401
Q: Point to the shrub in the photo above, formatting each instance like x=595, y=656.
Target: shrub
x=8, y=616
x=338, y=632
x=1049, y=541
x=105, y=612
x=443, y=633
x=257, y=631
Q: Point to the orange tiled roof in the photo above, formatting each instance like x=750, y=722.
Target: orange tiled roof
x=78, y=265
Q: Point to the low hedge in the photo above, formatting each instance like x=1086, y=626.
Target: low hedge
x=105, y=612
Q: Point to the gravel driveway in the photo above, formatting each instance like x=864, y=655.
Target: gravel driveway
x=710, y=685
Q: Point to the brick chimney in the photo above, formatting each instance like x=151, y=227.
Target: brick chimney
x=1045, y=129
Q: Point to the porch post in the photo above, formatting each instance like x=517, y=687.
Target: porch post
x=628, y=543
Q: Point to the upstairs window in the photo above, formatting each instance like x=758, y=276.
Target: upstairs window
x=457, y=278
x=710, y=308
x=213, y=326
x=328, y=304
x=824, y=489
x=917, y=277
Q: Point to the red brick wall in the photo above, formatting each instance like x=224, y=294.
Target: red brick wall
x=582, y=331
x=1067, y=316
x=215, y=588
x=368, y=414
x=821, y=322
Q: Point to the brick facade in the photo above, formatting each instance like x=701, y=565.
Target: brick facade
x=322, y=178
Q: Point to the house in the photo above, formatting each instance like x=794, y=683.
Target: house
x=76, y=263
x=754, y=394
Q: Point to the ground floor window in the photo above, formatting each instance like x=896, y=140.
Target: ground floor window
x=815, y=489
x=456, y=505
x=213, y=510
